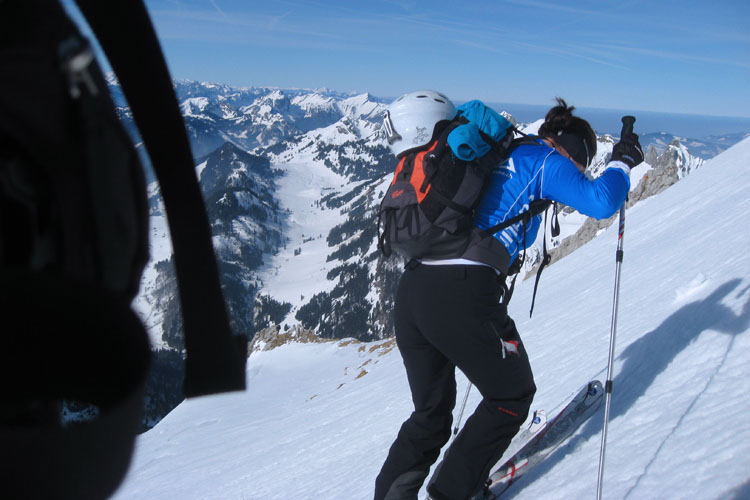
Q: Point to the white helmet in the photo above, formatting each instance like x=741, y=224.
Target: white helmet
x=410, y=120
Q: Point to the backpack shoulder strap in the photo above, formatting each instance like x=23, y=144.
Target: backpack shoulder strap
x=524, y=140
x=215, y=359
x=536, y=207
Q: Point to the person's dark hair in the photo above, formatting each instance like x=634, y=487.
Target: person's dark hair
x=571, y=132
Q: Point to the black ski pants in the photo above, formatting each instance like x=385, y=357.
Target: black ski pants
x=450, y=316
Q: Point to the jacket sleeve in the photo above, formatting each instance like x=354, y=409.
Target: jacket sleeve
x=600, y=198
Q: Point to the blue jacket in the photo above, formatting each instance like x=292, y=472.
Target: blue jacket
x=538, y=171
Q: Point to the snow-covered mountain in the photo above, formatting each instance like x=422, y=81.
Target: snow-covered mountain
x=318, y=418
x=254, y=139
x=246, y=223
x=259, y=117
x=256, y=201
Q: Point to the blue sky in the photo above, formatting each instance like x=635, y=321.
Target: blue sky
x=667, y=56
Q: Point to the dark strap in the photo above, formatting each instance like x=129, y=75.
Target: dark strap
x=385, y=220
x=517, y=265
x=546, y=257
x=555, y=228
x=411, y=222
x=462, y=209
x=508, y=292
x=435, y=153
x=536, y=207
x=545, y=260
x=215, y=359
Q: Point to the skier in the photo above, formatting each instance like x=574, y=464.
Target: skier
x=449, y=313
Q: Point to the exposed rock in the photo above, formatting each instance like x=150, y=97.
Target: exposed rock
x=272, y=337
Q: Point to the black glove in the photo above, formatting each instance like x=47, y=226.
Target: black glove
x=628, y=151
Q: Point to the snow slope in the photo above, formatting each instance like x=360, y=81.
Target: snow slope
x=317, y=419
x=304, y=183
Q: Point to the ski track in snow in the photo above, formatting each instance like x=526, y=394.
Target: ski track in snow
x=317, y=420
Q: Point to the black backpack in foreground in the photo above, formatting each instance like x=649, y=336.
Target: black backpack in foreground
x=74, y=243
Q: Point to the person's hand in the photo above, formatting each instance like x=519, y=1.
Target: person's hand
x=628, y=150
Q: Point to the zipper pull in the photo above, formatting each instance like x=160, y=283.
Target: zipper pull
x=76, y=56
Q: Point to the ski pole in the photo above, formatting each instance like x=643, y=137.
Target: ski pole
x=627, y=128
x=461, y=412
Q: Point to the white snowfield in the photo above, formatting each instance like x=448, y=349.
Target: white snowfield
x=317, y=420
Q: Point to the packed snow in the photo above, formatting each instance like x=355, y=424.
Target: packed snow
x=302, y=262
x=317, y=419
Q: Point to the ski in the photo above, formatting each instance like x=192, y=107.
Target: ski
x=542, y=440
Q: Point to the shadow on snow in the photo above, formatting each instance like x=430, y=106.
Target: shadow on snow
x=646, y=358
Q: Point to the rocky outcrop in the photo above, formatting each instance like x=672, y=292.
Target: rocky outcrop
x=272, y=337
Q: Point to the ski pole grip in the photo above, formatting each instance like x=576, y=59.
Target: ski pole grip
x=627, y=125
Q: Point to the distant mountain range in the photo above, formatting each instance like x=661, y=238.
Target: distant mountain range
x=705, y=148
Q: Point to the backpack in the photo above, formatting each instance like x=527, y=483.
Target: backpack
x=74, y=243
x=427, y=211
